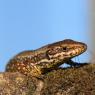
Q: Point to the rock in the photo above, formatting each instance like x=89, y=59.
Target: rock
x=68, y=81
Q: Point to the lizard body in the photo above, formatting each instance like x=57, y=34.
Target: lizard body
x=46, y=58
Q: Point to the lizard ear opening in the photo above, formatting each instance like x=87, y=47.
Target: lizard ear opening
x=47, y=55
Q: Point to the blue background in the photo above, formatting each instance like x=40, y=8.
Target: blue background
x=30, y=24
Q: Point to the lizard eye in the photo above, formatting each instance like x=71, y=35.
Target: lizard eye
x=65, y=48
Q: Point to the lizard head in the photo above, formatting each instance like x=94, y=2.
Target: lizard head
x=66, y=49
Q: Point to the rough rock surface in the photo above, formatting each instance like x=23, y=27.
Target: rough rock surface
x=69, y=81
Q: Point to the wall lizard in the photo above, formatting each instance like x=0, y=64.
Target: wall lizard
x=49, y=57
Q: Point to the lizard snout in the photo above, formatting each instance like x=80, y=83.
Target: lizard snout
x=78, y=49
x=83, y=47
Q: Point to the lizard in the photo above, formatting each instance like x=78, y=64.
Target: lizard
x=40, y=61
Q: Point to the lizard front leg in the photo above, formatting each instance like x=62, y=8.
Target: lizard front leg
x=75, y=64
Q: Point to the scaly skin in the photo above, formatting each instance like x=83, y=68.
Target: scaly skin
x=46, y=58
